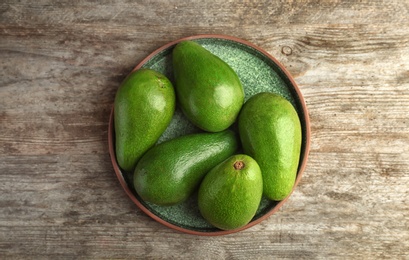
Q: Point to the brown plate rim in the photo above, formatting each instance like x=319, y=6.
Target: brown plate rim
x=304, y=155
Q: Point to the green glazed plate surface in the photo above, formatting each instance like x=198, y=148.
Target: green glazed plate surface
x=258, y=73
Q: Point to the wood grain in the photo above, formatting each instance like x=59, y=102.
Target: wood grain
x=61, y=64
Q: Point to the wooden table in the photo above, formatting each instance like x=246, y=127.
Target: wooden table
x=61, y=64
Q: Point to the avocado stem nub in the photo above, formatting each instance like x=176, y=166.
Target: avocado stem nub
x=238, y=165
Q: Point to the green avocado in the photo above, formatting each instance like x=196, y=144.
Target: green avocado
x=171, y=171
x=270, y=132
x=230, y=193
x=143, y=108
x=209, y=91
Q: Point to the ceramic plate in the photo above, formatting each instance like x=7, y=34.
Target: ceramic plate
x=258, y=72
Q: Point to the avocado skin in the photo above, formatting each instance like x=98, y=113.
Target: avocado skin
x=228, y=197
x=209, y=91
x=143, y=108
x=270, y=132
x=171, y=171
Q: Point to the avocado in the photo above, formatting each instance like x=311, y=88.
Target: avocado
x=143, y=108
x=230, y=193
x=270, y=132
x=171, y=171
x=208, y=90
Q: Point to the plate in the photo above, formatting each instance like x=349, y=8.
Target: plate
x=258, y=72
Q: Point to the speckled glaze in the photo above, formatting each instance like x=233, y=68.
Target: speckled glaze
x=258, y=72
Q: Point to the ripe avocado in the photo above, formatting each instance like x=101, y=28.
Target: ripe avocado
x=270, y=132
x=208, y=90
x=171, y=171
x=143, y=108
x=230, y=193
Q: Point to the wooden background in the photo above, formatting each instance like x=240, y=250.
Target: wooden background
x=61, y=64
